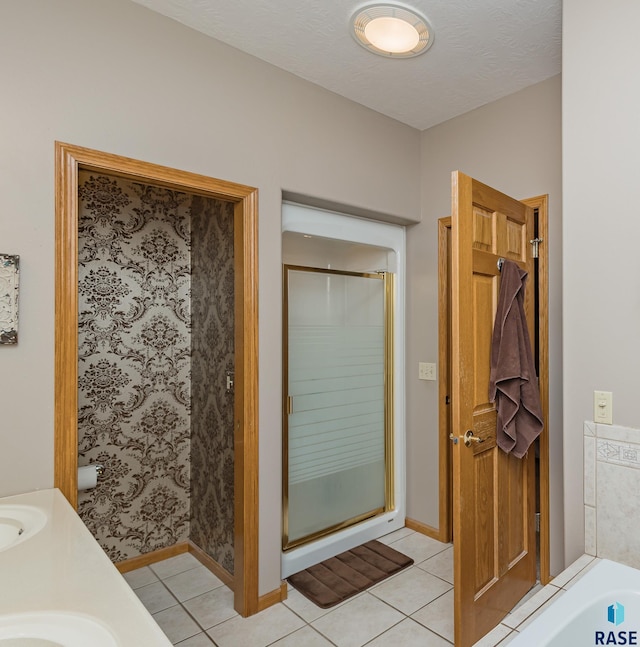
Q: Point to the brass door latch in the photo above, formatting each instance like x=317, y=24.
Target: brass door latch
x=468, y=438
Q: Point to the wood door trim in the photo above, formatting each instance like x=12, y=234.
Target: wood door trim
x=444, y=336
x=68, y=159
x=541, y=203
x=273, y=597
x=155, y=556
x=445, y=530
x=217, y=569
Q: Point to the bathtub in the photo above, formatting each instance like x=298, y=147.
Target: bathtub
x=602, y=608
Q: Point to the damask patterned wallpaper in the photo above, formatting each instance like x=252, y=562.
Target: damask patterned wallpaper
x=212, y=302
x=134, y=368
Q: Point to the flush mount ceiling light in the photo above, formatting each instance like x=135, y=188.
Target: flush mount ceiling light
x=391, y=30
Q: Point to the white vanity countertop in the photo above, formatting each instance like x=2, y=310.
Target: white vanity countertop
x=62, y=568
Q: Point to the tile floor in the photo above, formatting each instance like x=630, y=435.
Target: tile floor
x=413, y=608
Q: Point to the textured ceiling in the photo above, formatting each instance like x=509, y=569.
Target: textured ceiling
x=483, y=49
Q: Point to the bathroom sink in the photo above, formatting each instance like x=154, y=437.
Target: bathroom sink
x=18, y=523
x=53, y=629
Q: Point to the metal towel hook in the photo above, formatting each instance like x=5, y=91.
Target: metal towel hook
x=500, y=263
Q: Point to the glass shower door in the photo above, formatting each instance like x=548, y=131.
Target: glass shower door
x=337, y=430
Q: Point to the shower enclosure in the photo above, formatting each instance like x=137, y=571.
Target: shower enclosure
x=343, y=383
x=338, y=454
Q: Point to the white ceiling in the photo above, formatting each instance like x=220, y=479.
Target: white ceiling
x=483, y=49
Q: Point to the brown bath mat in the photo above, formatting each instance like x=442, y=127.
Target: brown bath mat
x=343, y=576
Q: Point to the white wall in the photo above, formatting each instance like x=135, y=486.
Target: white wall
x=118, y=78
x=601, y=223
x=514, y=145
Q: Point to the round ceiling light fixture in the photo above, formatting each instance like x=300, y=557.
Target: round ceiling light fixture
x=391, y=30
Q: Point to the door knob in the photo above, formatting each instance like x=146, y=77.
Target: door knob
x=469, y=438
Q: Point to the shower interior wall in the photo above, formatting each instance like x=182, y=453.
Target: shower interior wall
x=155, y=342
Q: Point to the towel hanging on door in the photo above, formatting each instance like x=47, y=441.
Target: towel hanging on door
x=513, y=384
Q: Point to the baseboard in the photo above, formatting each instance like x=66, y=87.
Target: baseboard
x=219, y=571
x=273, y=597
x=177, y=549
x=264, y=601
x=424, y=529
x=131, y=564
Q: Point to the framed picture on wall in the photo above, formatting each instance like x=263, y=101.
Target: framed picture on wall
x=9, y=273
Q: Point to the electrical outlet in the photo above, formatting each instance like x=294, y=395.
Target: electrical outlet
x=426, y=371
x=603, y=407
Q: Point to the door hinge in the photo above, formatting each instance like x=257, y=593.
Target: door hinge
x=535, y=247
x=289, y=405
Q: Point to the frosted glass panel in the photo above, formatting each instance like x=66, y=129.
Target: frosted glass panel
x=336, y=431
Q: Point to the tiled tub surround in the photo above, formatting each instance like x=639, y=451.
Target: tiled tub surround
x=62, y=569
x=611, y=486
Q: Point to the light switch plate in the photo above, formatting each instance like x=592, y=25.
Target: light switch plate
x=426, y=371
x=603, y=407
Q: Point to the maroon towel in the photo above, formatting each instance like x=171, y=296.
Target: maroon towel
x=513, y=383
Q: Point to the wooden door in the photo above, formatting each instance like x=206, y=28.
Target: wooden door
x=493, y=493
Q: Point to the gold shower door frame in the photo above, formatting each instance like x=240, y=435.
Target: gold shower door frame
x=389, y=477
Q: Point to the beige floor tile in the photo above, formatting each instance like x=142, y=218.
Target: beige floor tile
x=306, y=609
x=528, y=596
x=199, y=640
x=517, y=617
x=140, y=577
x=177, y=624
x=497, y=636
x=193, y=582
x=579, y=575
x=571, y=571
x=440, y=565
x=409, y=634
x=395, y=535
x=508, y=639
x=357, y=621
x=212, y=608
x=305, y=637
x=419, y=547
x=155, y=597
x=174, y=565
x=544, y=607
x=410, y=590
x=256, y=631
x=438, y=616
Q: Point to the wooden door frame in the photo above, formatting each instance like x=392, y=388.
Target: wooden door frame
x=68, y=160
x=445, y=495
